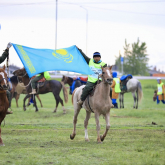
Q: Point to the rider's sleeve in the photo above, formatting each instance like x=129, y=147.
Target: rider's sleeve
x=87, y=59
x=4, y=55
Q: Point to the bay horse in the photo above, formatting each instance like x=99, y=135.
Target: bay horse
x=100, y=104
x=4, y=103
x=134, y=86
x=17, y=89
x=69, y=81
x=49, y=86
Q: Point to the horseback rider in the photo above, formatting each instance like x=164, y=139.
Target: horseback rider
x=160, y=91
x=95, y=64
x=115, y=89
x=2, y=59
x=37, y=78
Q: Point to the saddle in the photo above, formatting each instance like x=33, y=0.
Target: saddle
x=39, y=83
x=124, y=79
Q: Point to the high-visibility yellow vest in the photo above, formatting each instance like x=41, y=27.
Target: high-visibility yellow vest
x=117, y=85
x=96, y=68
x=160, y=88
x=46, y=75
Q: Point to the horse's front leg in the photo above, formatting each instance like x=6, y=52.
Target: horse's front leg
x=97, y=127
x=88, y=114
x=35, y=104
x=107, y=119
x=1, y=142
x=27, y=96
x=17, y=97
x=76, y=112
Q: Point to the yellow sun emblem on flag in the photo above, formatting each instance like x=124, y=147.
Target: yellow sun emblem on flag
x=63, y=54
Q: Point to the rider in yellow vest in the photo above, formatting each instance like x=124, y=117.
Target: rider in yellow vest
x=160, y=91
x=95, y=64
x=37, y=78
x=115, y=89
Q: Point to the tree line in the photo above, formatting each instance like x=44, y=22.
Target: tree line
x=135, y=59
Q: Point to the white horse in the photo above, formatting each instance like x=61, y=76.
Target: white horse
x=134, y=86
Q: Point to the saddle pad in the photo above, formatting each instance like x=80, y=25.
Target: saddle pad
x=42, y=80
x=125, y=77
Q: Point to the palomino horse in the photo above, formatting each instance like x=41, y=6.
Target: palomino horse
x=134, y=86
x=49, y=86
x=4, y=103
x=17, y=89
x=100, y=103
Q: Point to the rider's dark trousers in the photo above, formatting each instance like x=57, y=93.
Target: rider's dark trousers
x=34, y=80
x=89, y=86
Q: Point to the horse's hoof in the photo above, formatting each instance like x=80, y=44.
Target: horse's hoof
x=64, y=112
x=54, y=111
x=2, y=144
x=87, y=140
x=71, y=137
x=36, y=110
x=99, y=142
x=102, y=139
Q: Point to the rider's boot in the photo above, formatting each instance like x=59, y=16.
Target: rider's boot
x=33, y=91
x=9, y=112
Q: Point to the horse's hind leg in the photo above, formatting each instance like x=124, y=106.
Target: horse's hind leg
x=76, y=112
x=107, y=119
x=137, y=99
x=58, y=99
x=88, y=114
x=133, y=94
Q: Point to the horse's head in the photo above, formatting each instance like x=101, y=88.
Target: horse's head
x=107, y=75
x=155, y=95
x=3, y=78
x=20, y=72
x=66, y=80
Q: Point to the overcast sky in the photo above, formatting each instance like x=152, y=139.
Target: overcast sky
x=32, y=23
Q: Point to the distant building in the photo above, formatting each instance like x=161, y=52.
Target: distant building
x=156, y=73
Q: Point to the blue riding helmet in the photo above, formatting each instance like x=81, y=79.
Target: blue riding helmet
x=114, y=74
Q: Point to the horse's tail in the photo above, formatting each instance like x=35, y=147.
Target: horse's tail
x=65, y=92
x=73, y=94
x=140, y=92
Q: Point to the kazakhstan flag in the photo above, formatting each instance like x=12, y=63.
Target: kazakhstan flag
x=36, y=61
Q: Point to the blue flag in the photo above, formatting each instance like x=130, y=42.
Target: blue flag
x=37, y=61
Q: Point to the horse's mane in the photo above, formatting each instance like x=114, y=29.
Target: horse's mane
x=71, y=79
x=14, y=79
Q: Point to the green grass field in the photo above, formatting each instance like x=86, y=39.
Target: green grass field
x=43, y=138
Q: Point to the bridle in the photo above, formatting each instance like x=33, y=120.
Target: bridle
x=1, y=87
x=22, y=77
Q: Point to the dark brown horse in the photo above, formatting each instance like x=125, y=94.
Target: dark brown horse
x=4, y=103
x=49, y=86
x=70, y=80
x=17, y=89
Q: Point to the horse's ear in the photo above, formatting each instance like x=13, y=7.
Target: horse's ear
x=110, y=67
x=101, y=67
x=4, y=67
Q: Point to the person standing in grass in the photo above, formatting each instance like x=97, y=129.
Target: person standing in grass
x=115, y=89
x=160, y=91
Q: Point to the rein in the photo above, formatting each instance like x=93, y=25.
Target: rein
x=24, y=85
